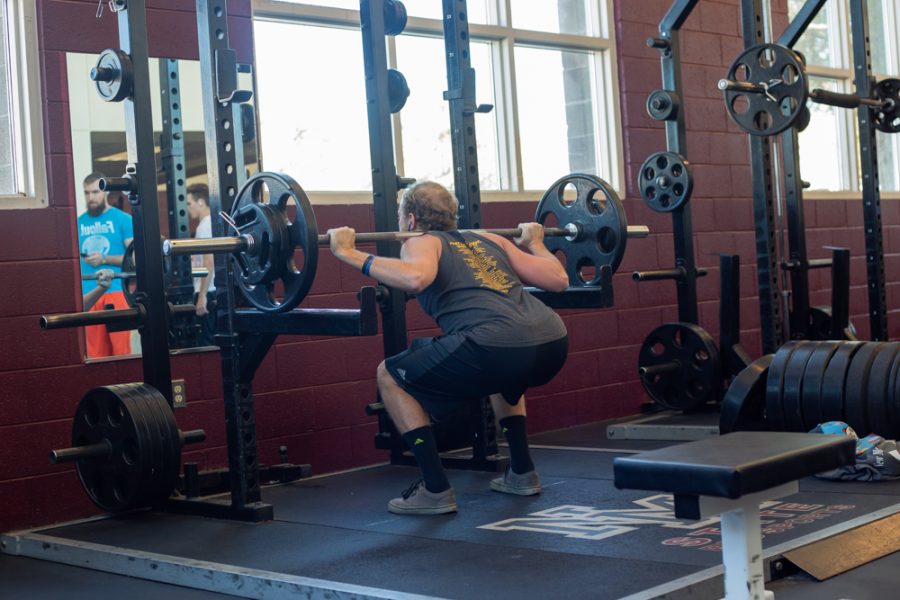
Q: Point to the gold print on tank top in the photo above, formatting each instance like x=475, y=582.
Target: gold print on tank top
x=484, y=266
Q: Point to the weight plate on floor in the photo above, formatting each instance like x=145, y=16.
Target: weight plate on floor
x=877, y=396
x=744, y=404
x=599, y=216
x=811, y=388
x=679, y=366
x=793, y=384
x=893, y=401
x=775, y=386
x=168, y=445
x=832, y=398
x=856, y=386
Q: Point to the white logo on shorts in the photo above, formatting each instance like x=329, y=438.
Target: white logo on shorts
x=401, y=373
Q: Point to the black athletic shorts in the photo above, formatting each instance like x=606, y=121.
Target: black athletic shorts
x=446, y=372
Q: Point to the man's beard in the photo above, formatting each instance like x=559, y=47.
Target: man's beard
x=95, y=211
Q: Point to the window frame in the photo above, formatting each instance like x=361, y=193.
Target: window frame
x=26, y=106
x=503, y=39
x=844, y=78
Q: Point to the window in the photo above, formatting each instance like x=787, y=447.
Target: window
x=827, y=46
x=22, y=171
x=547, y=67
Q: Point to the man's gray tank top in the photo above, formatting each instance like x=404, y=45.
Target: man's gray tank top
x=477, y=292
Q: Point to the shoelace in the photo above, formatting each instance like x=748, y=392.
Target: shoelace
x=411, y=490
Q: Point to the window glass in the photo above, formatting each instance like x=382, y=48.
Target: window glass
x=318, y=132
x=425, y=120
x=558, y=16
x=888, y=162
x=478, y=10
x=878, y=36
x=814, y=43
x=557, y=108
x=348, y=4
x=820, y=167
x=8, y=184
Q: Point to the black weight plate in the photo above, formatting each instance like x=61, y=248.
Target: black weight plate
x=893, y=403
x=877, y=397
x=775, y=386
x=258, y=271
x=780, y=70
x=792, y=386
x=811, y=388
x=130, y=393
x=599, y=216
x=150, y=400
x=398, y=90
x=744, y=404
x=663, y=105
x=888, y=121
x=394, y=17
x=120, y=86
x=116, y=482
x=832, y=398
x=170, y=443
x=665, y=181
x=696, y=381
x=855, y=388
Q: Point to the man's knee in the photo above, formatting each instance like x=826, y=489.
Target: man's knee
x=383, y=376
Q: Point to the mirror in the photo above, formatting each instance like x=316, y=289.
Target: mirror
x=104, y=220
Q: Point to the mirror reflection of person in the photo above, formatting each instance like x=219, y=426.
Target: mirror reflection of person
x=103, y=234
x=204, y=287
x=104, y=280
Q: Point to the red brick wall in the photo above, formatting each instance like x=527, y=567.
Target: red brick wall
x=310, y=392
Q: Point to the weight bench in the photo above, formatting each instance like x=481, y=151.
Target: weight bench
x=731, y=475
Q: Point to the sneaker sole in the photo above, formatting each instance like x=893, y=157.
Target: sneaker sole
x=499, y=486
x=429, y=510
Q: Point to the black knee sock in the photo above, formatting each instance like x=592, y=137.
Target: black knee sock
x=424, y=448
x=517, y=438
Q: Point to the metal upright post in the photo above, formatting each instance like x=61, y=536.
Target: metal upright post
x=868, y=156
x=178, y=281
x=763, y=205
x=141, y=170
x=676, y=141
x=218, y=69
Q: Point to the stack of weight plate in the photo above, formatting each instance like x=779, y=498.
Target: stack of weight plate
x=856, y=382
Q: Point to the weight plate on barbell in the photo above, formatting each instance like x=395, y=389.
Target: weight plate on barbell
x=887, y=120
x=793, y=383
x=680, y=367
x=665, y=181
x=811, y=388
x=831, y=401
x=775, y=386
x=260, y=268
x=394, y=17
x=744, y=405
x=877, y=396
x=780, y=71
x=856, y=387
x=398, y=90
x=600, y=218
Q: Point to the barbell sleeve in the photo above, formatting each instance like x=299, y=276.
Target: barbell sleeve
x=727, y=85
x=660, y=369
x=194, y=436
x=244, y=243
x=134, y=314
x=99, y=450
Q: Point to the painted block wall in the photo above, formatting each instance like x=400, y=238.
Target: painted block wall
x=310, y=392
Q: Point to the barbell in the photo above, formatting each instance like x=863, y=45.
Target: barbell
x=766, y=90
x=196, y=273
x=274, y=219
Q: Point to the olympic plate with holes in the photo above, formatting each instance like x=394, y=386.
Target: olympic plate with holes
x=744, y=404
x=665, y=181
x=276, y=212
x=887, y=119
x=595, y=209
x=779, y=72
x=145, y=449
x=679, y=366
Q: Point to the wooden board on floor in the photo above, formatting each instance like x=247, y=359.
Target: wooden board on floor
x=837, y=554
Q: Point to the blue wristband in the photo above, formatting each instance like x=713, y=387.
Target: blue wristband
x=368, y=264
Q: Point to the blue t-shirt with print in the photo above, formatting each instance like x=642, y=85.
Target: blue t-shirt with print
x=106, y=234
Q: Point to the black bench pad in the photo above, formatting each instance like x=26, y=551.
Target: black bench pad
x=734, y=464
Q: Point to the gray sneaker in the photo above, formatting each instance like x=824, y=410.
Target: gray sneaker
x=524, y=484
x=417, y=500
